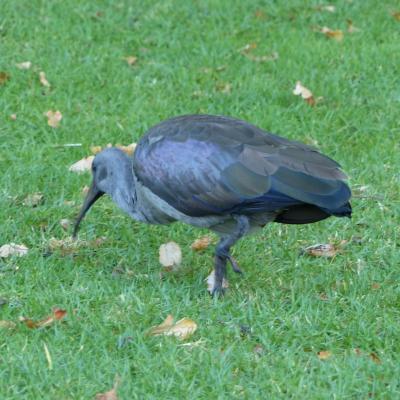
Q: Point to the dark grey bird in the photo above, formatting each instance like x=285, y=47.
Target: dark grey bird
x=223, y=174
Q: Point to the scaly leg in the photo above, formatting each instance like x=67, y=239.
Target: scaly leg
x=222, y=253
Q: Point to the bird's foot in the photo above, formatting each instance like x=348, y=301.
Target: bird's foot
x=217, y=291
x=235, y=265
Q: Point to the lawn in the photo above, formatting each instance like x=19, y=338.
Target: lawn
x=262, y=340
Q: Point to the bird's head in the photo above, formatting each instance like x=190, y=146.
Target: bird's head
x=112, y=175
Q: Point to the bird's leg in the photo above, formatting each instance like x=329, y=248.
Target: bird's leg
x=222, y=253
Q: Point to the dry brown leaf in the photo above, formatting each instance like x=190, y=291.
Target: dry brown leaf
x=24, y=65
x=13, y=117
x=13, y=249
x=4, y=77
x=33, y=199
x=7, y=324
x=260, y=14
x=95, y=149
x=304, y=92
x=57, y=315
x=201, y=243
x=322, y=250
x=111, y=394
x=65, y=223
x=224, y=87
x=211, y=281
x=170, y=256
x=324, y=354
x=131, y=60
x=83, y=165
x=43, y=80
x=248, y=47
x=374, y=357
x=53, y=118
x=332, y=34
x=182, y=329
x=396, y=15
x=70, y=245
x=129, y=149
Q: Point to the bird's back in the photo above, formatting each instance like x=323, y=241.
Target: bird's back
x=213, y=165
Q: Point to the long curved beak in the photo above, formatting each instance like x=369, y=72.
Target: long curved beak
x=93, y=194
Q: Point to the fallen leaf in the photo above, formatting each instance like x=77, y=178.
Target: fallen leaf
x=7, y=324
x=357, y=351
x=328, y=8
x=258, y=350
x=324, y=354
x=375, y=286
x=54, y=118
x=201, y=243
x=374, y=357
x=396, y=15
x=83, y=165
x=350, y=27
x=57, y=315
x=43, y=80
x=24, y=65
x=65, y=223
x=181, y=329
x=111, y=394
x=211, y=281
x=304, y=92
x=129, y=149
x=224, y=87
x=85, y=190
x=13, y=249
x=4, y=77
x=248, y=47
x=322, y=250
x=70, y=245
x=332, y=34
x=95, y=149
x=170, y=256
x=13, y=117
x=260, y=14
x=33, y=199
x=131, y=60
x=266, y=58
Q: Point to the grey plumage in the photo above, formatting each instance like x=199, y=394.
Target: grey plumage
x=221, y=173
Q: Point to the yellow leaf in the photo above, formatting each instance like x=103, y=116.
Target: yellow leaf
x=332, y=34
x=54, y=118
x=324, y=354
x=131, y=60
x=43, y=80
x=95, y=149
x=127, y=149
x=181, y=329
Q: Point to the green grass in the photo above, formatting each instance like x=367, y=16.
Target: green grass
x=180, y=47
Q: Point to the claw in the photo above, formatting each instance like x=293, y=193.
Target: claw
x=217, y=292
x=235, y=265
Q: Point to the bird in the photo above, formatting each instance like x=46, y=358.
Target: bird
x=220, y=173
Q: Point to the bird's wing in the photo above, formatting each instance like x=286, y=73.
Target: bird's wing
x=204, y=165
